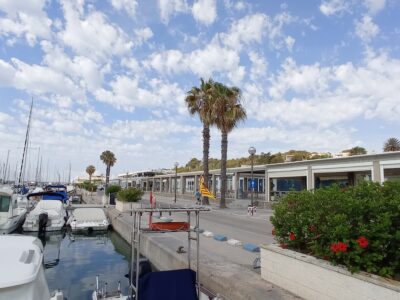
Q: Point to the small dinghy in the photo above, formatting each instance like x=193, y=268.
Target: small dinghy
x=90, y=219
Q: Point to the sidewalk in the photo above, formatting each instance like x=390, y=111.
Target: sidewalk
x=261, y=213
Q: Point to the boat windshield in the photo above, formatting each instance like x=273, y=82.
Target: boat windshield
x=4, y=203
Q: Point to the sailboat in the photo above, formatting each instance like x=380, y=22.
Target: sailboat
x=12, y=207
x=11, y=215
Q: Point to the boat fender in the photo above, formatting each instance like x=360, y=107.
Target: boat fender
x=43, y=219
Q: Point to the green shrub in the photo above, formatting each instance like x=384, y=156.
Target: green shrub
x=113, y=189
x=358, y=227
x=130, y=195
x=88, y=186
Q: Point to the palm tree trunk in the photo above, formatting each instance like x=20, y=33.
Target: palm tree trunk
x=224, y=152
x=90, y=178
x=107, y=175
x=206, y=150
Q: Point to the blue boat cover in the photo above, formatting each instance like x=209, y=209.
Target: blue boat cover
x=168, y=285
x=49, y=196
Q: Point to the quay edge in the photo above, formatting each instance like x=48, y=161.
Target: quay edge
x=231, y=280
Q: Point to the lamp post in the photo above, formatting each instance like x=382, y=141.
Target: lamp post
x=252, y=151
x=176, y=175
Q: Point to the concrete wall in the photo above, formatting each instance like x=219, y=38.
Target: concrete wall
x=313, y=278
x=231, y=280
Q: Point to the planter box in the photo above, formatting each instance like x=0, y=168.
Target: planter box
x=126, y=206
x=313, y=278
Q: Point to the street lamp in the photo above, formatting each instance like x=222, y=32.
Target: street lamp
x=176, y=175
x=252, y=151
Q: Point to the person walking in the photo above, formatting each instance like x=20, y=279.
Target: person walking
x=198, y=197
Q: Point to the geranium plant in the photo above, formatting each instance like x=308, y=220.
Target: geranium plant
x=358, y=227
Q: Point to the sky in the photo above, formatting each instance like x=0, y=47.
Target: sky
x=317, y=75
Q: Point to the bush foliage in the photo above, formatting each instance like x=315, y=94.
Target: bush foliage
x=358, y=227
x=113, y=189
x=91, y=187
x=130, y=195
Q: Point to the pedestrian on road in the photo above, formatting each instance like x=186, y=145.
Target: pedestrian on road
x=198, y=197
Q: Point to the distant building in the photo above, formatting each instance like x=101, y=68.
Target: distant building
x=95, y=178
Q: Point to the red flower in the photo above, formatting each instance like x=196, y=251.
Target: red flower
x=292, y=236
x=362, y=242
x=335, y=248
x=339, y=247
x=273, y=231
x=342, y=246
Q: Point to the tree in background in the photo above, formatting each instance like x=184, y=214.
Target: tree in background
x=357, y=151
x=193, y=165
x=392, y=144
x=109, y=160
x=228, y=113
x=199, y=101
x=90, y=170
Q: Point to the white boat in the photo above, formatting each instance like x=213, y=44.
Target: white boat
x=11, y=215
x=48, y=215
x=21, y=259
x=91, y=219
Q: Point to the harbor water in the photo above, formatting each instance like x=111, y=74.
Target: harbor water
x=72, y=262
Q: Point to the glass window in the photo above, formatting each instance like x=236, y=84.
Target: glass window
x=4, y=203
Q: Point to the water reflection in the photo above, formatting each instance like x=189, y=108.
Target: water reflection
x=72, y=262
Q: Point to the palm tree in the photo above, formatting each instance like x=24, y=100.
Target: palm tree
x=392, y=144
x=199, y=101
x=90, y=170
x=228, y=113
x=109, y=160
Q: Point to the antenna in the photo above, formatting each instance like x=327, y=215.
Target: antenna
x=25, y=146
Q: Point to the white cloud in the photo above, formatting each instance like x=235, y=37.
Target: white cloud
x=258, y=66
x=93, y=35
x=4, y=118
x=143, y=34
x=171, y=7
x=39, y=80
x=202, y=62
x=147, y=130
x=331, y=7
x=366, y=29
x=126, y=94
x=85, y=72
x=24, y=18
x=289, y=42
x=324, y=96
x=374, y=6
x=253, y=28
x=298, y=138
x=249, y=29
x=129, y=6
x=205, y=11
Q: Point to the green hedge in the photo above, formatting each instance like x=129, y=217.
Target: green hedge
x=113, y=189
x=358, y=227
x=130, y=195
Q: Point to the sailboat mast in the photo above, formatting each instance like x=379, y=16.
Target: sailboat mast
x=25, y=146
x=6, y=166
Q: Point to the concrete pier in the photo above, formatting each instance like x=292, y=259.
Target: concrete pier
x=230, y=280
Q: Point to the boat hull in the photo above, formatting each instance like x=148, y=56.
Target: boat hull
x=30, y=226
x=12, y=224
